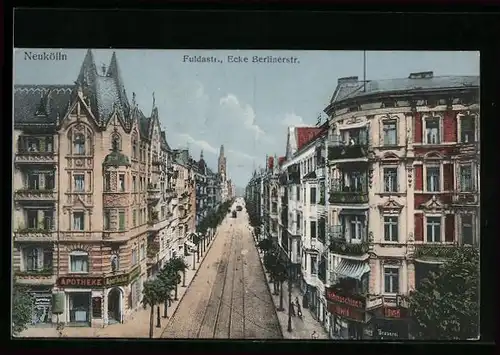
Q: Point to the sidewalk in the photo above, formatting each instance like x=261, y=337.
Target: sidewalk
x=137, y=326
x=301, y=328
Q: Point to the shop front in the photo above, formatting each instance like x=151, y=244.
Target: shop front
x=390, y=323
x=348, y=318
x=41, y=311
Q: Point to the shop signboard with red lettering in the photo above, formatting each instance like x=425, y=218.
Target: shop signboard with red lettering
x=346, y=312
x=338, y=296
x=87, y=282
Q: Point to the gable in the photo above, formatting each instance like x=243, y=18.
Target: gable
x=305, y=135
x=434, y=203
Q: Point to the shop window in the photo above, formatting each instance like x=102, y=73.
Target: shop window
x=432, y=130
x=467, y=229
x=433, y=178
x=433, y=229
x=390, y=179
x=79, y=307
x=391, y=280
x=466, y=180
x=79, y=261
x=79, y=182
x=467, y=130
x=390, y=133
x=79, y=144
x=391, y=229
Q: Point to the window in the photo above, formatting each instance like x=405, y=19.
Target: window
x=433, y=178
x=355, y=182
x=297, y=191
x=467, y=130
x=356, y=228
x=116, y=142
x=79, y=144
x=79, y=261
x=312, y=195
x=134, y=183
x=78, y=221
x=467, y=229
x=134, y=218
x=121, y=182
x=134, y=256
x=298, y=221
x=314, y=266
x=466, y=184
x=37, y=259
x=32, y=216
x=390, y=179
x=432, y=130
x=121, y=220
x=313, y=229
x=107, y=220
x=391, y=280
x=389, y=128
x=33, y=181
x=79, y=182
x=134, y=148
x=142, y=253
x=107, y=182
x=433, y=229
x=49, y=181
x=391, y=229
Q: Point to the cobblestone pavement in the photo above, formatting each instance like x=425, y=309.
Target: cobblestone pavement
x=229, y=297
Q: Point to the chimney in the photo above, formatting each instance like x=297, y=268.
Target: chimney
x=422, y=75
x=347, y=80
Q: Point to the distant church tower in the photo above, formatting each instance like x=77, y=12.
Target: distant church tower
x=222, y=164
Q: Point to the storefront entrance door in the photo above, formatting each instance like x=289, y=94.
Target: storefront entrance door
x=79, y=308
x=114, y=306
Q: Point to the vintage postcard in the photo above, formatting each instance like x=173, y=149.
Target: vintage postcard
x=245, y=194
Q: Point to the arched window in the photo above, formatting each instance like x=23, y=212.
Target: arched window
x=134, y=148
x=79, y=144
x=115, y=263
x=79, y=261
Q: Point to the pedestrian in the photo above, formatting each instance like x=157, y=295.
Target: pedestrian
x=314, y=335
x=292, y=309
x=299, y=310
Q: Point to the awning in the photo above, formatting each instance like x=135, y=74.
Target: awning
x=352, y=269
x=190, y=244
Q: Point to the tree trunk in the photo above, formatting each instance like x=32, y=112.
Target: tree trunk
x=183, y=278
x=158, y=318
x=151, y=321
x=198, y=251
x=194, y=261
x=165, y=309
x=281, y=309
x=175, y=296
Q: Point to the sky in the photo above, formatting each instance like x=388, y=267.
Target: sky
x=244, y=106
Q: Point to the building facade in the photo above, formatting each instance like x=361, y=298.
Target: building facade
x=93, y=197
x=380, y=195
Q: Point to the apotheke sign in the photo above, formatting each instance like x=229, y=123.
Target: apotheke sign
x=109, y=281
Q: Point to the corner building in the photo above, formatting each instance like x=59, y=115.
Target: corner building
x=403, y=194
x=92, y=197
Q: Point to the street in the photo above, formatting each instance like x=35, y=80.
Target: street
x=229, y=297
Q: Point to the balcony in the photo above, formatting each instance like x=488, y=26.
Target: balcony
x=347, y=197
x=467, y=148
x=34, y=235
x=343, y=247
x=35, y=157
x=43, y=195
x=440, y=251
x=43, y=276
x=154, y=193
x=465, y=199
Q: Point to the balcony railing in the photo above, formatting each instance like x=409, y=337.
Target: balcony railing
x=465, y=198
x=38, y=272
x=341, y=246
x=440, y=251
x=154, y=193
x=337, y=196
x=355, y=151
x=35, y=195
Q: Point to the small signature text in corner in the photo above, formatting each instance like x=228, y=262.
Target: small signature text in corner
x=45, y=56
x=241, y=59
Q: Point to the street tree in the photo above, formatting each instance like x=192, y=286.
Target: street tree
x=170, y=269
x=22, y=303
x=270, y=263
x=178, y=263
x=153, y=294
x=265, y=245
x=280, y=276
x=167, y=280
x=446, y=304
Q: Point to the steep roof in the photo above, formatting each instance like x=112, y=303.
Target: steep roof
x=305, y=135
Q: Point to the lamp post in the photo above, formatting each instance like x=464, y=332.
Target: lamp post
x=289, y=329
